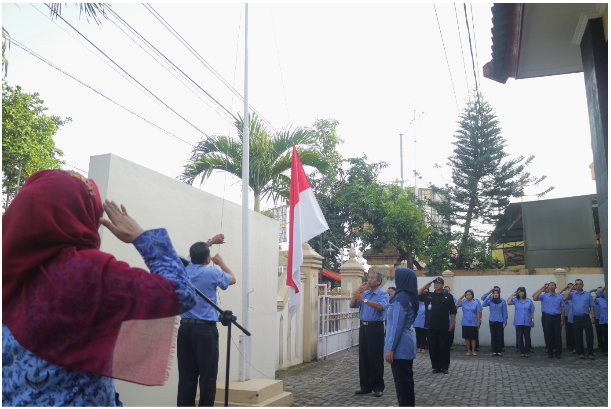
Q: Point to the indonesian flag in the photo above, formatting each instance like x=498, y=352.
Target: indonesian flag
x=306, y=221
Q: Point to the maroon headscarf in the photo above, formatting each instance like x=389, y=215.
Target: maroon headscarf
x=71, y=304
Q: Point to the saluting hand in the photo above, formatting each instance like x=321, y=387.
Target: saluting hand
x=121, y=224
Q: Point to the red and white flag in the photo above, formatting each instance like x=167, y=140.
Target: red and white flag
x=306, y=221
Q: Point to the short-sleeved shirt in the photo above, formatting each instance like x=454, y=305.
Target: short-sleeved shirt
x=602, y=304
x=523, y=310
x=470, y=310
x=601, y=294
x=438, y=307
x=581, y=303
x=419, y=322
x=550, y=304
x=568, y=310
x=206, y=279
x=498, y=312
x=369, y=313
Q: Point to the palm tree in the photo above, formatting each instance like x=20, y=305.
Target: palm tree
x=270, y=158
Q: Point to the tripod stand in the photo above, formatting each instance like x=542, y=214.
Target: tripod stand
x=226, y=318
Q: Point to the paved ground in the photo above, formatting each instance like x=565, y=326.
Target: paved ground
x=481, y=380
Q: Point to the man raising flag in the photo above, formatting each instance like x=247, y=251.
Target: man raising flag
x=306, y=221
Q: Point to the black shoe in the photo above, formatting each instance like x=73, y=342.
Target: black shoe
x=445, y=371
x=436, y=371
x=378, y=394
x=361, y=392
x=499, y=354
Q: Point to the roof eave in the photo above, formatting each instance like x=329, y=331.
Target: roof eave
x=506, y=37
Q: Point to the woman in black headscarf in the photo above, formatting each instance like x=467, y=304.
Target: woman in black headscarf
x=498, y=319
x=400, y=342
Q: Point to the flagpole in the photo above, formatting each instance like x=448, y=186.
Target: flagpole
x=244, y=372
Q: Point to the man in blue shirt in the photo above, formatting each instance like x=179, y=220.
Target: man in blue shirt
x=583, y=317
x=198, y=338
x=599, y=334
x=552, y=309
x=373, y=303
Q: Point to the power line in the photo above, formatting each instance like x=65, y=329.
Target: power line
x=162, y=64
x=471, y=48
x=446, y=54
x=74, y=167
x=26, y=49
x=96, y=55
x=461, y=50
x=121, y=68
x=114, y=13
x=475, y=43
x=175, y=33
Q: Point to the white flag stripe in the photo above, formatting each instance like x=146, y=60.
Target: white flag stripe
x=308, y=223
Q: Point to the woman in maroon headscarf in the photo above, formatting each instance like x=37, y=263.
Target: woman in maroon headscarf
x=74, y=318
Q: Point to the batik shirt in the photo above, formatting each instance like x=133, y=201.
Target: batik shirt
x=30, y=381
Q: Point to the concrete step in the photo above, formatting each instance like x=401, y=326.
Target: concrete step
x=285, y=399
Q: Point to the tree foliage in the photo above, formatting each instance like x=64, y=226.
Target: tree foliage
x=27, y=139
x=365, y=213
x=484, y=178
x=337, y=193
x=269, y=157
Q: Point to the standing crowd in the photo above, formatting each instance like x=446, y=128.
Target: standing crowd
x=389, y=320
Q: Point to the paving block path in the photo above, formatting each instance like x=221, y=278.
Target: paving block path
x=481, y=380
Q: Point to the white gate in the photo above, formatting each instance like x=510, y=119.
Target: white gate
x=338, y=324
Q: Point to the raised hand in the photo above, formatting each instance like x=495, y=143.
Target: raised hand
x=121, y=224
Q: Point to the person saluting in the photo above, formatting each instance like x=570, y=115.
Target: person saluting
x=438, y=304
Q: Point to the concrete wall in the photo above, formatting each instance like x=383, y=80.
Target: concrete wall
x=508, y=283
x=191, y=215
x=289, y=350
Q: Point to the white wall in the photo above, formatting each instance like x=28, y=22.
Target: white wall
x=191, y=215
x=508, y=284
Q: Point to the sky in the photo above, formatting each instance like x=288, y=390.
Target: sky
x=368, y=66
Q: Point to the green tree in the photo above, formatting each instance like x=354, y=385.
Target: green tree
x=337, y=194
x=391, y=215
x=483, y=177
x=269, y=158
x=27, y=139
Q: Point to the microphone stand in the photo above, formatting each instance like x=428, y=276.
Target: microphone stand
x=226, y=318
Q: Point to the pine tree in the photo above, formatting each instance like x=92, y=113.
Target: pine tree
x=484, y=177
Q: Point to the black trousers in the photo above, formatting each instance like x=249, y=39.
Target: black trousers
x=421, y=337
x=502, y=337
x=603, y=331
x=523, y=338
x=552, y=332
x=599, y=335
x=544, y=330
x=579, y=325
x=570, y=335
x=371, y=357
x=439, y=349
x=198, y=357
x=404, y=381
x=496, y=336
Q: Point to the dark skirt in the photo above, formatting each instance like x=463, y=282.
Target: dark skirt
x=469, y=332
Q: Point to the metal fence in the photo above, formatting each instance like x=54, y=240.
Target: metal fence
x=338, y=324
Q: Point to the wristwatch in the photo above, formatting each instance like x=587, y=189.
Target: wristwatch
x=209, y=241
x=365, y=300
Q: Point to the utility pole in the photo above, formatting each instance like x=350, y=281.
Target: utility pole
x=401, y=146
x=413, y=122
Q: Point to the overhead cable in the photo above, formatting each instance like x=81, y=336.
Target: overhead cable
x=121, y=68
x=461, y=50
x=26, y=49
x=471, y=48
x=475, y=43
x=175, y=33
x=446, y=54
x=114, y=13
